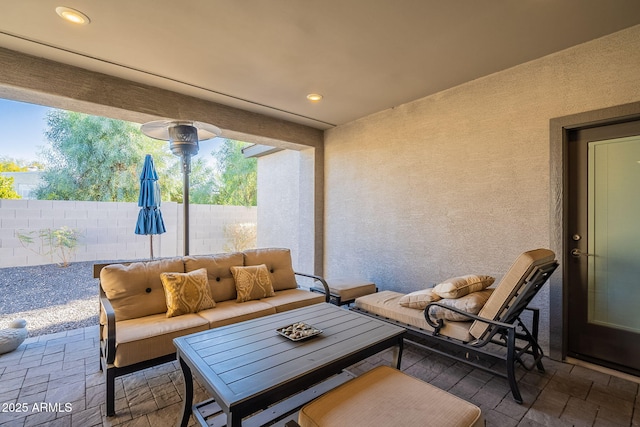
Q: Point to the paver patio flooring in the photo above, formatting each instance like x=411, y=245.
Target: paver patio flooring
x=54, y=380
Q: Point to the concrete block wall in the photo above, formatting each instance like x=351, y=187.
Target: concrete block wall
x=107, y=229
x=207, y=226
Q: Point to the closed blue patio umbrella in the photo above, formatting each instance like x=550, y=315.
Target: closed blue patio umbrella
x=150, y=220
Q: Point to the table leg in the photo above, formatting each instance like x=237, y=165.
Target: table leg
x=397, y=353
x=188, y=393
x=233, y=421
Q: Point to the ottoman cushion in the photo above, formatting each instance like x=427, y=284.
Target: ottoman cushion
x=387, y=397
x=349, y=289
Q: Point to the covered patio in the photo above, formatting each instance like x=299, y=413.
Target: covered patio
x=62, y=370
x=432, y=183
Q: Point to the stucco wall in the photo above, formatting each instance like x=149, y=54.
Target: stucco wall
x=458, y=182
x=107, y=229
x=286, y=205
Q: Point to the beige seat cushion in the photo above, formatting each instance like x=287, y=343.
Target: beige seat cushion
x=387, y=397
x=228, y=312
x=135, y=290
x=290, y=299
x=349, y=289
x=278, y=262
x=509, y=286
x=138, y=340
x=223, y=287
x=386, y=304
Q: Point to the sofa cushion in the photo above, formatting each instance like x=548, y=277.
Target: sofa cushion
x=278, y=262
x=457, y=287
x=385, y=304
x=252, y=282
x=138, y=340
x=135, y=290
x=419, y=299
x=218, y=266
x=187, y=292
x=471, y=303
x=228, y=312
x=290, y=299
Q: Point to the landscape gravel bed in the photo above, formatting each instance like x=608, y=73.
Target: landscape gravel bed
x=49, y=297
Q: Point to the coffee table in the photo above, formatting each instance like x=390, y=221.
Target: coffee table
x=248, y=367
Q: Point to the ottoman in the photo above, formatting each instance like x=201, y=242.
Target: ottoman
x=387, y=397
x=345, y=291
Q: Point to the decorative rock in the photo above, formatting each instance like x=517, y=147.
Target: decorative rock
x=12, y=337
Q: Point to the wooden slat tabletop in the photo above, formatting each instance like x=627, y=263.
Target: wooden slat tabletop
x=246, y=360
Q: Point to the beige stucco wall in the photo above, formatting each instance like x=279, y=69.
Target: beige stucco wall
x=286, y=205
x=458, y=182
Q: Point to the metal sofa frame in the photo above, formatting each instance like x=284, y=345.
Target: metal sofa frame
x=108, y=345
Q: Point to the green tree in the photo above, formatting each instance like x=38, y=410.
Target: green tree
x=238, y=176
x=202, y=182
x=96, y=158
x=6, y=188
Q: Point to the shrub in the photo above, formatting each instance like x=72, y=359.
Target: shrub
x=61, y=242
x=240, y=236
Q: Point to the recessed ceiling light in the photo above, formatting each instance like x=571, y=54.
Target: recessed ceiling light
x=315, y=97
x=72, y=15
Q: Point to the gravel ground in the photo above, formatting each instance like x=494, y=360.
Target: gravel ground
x=50, y=298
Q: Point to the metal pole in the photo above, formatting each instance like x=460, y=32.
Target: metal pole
x=186, y=168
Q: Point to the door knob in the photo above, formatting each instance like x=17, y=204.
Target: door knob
x=575, y=252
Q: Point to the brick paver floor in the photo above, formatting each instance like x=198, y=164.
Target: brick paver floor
x=55, y=380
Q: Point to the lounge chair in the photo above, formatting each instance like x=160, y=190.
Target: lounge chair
x=500, y=321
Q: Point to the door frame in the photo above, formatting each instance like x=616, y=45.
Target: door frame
x=558, y=208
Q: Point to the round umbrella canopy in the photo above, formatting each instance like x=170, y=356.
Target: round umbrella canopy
x=150, y=220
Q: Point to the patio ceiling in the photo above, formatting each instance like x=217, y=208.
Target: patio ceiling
x=264, y=56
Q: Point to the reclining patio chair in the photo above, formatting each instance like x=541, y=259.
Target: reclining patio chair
x=497, y=333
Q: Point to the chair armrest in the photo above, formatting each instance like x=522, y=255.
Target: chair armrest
x=327, y=292
x=437, y=324
x=110, y=348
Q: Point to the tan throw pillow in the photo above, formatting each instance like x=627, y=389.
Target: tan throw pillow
x=471, y=303
x=187, y=292
x=419, y=299
x=252, y=282
x=457, y=287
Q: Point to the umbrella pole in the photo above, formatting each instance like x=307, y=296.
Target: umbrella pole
x=151, y=244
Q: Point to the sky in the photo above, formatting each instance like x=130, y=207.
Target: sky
x=22, y=127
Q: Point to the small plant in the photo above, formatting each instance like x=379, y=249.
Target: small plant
x=61, y=242
x=240, y=236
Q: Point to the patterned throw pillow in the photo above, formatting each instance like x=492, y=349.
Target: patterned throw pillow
x=187, y=292
x=471, y=303
x=419, y=299
x=457, y=287
x=252, y=282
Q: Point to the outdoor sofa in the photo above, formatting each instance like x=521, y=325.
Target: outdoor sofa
x=145, y=305
x=472, y=323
